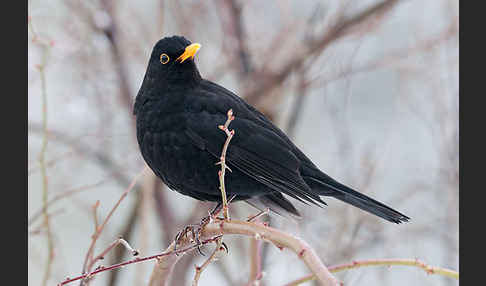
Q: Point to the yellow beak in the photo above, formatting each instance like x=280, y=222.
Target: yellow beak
x=190, y=52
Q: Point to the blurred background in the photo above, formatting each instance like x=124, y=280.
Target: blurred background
x=367, y=89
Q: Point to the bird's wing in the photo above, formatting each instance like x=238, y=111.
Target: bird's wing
x=255, y=150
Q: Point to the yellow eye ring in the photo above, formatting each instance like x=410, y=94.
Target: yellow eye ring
x=164, y=58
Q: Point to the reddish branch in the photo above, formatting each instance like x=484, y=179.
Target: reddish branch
x=100, y=269
x=282, y=240
x=89, y=261
x=212, y=257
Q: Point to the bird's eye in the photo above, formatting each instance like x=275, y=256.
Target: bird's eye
x=164, y=58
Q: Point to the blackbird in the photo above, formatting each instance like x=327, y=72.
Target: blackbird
x=177, y=116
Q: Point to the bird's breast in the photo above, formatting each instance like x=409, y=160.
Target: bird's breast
x=170, y=152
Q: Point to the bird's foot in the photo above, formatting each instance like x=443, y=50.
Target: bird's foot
x=195, y=230
x=191, y=232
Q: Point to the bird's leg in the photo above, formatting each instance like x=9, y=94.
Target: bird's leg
x=182, y=233
x=205, y=220
x=213, y=214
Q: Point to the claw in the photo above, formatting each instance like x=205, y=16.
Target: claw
x=178, y=237
x=200, y=251
x=225, y=247
x=195, y=233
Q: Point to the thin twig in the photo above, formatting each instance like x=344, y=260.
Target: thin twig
x=96, y=223
x=87, y=263
x=211, y=258
x=126, y=232
x=95, y=215
x=115, y=243
x=382, y=262
x=222, y=172
x=45, y=190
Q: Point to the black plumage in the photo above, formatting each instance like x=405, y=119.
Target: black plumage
x=178, y=113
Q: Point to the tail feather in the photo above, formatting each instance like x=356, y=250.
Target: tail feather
x=329, y=187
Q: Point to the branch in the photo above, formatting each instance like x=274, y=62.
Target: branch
x=88, y=263
x=212, y=257
x=282, y=240
x=255, y=262
x=382, y=262
x=126, y=232
x=100, y=268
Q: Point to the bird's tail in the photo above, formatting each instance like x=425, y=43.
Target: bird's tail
x=329, y=187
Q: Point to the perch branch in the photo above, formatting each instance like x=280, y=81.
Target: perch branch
x=282, y=240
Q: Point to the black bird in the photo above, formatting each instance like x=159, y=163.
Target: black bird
x=178, y=113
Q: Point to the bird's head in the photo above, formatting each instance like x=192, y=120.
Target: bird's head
x=171, y=66
x=172, y=60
